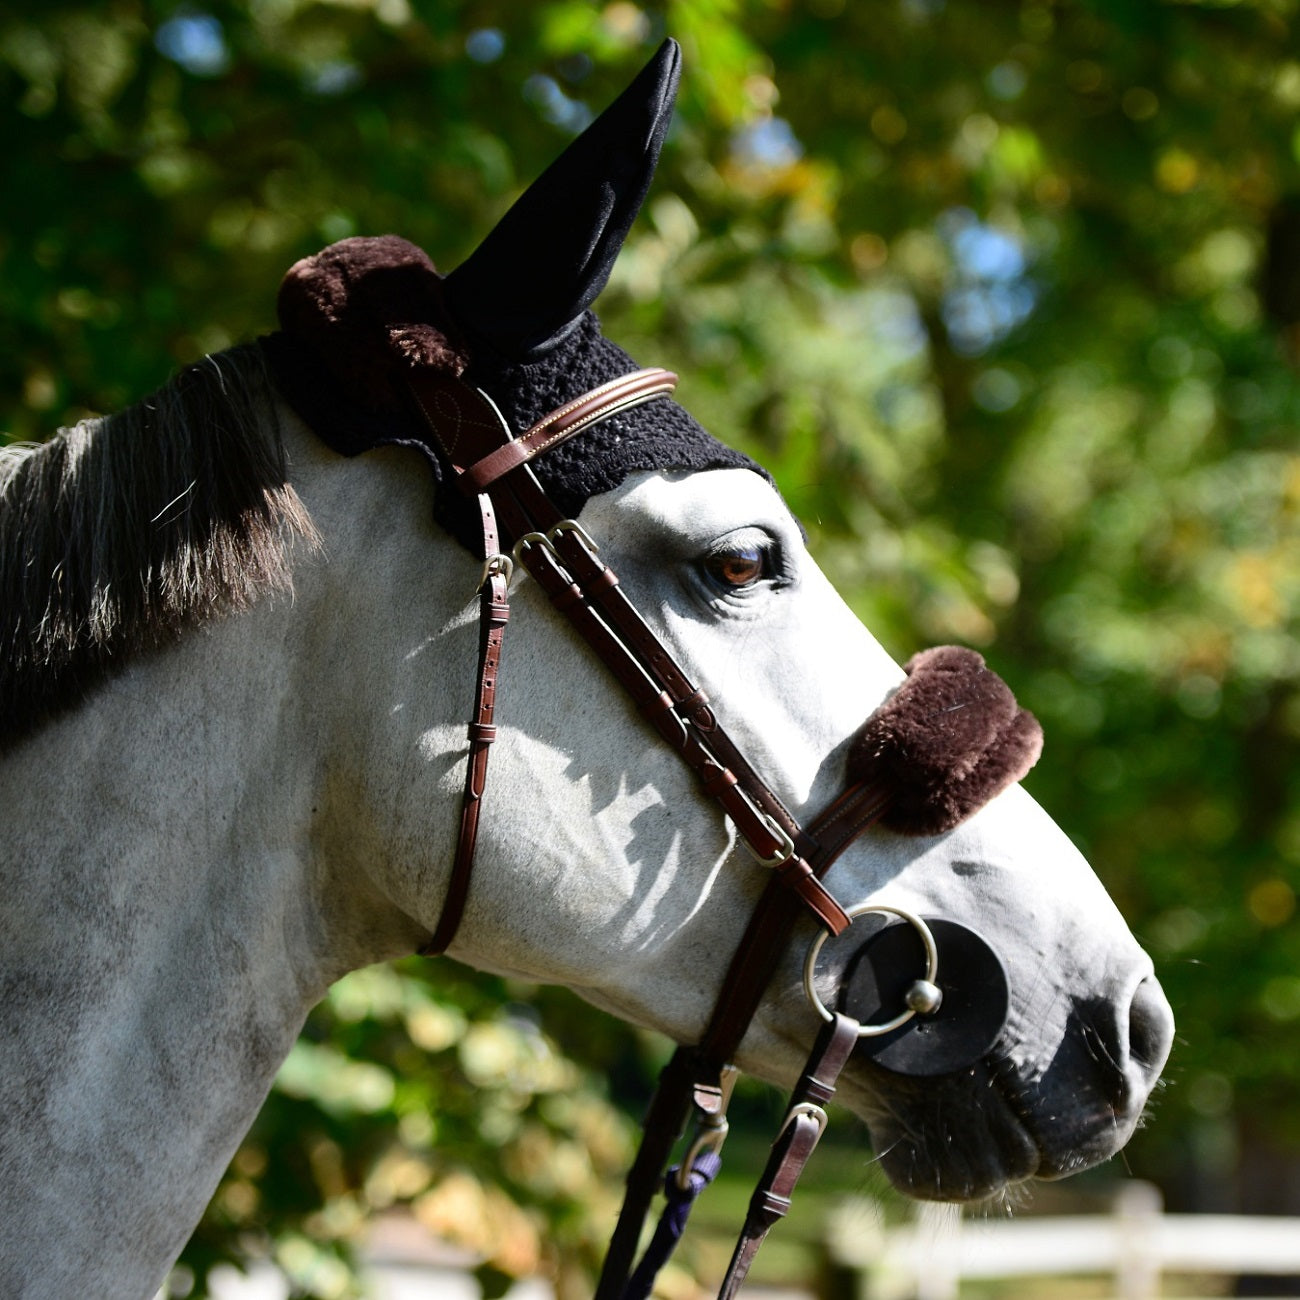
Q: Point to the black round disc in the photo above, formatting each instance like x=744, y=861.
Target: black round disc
x=975, y=997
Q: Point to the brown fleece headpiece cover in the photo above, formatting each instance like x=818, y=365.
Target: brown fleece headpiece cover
x=946, y=742
x=366, y=308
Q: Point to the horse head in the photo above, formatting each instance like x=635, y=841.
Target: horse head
x=652, y=887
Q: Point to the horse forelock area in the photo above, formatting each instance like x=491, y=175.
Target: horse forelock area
x=122, y=532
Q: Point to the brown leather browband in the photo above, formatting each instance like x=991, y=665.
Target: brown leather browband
x=618, y=395
x=515, y=511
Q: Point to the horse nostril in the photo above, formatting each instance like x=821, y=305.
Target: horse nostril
x=1128, y=1044
x=1150, y=1028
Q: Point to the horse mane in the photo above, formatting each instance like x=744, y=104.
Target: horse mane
x=124, y=531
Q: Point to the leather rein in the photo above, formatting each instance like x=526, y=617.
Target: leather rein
x=492, y=466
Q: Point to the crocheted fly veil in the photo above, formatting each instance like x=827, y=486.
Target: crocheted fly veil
x=514, y=320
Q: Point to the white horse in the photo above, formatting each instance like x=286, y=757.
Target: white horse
x=207, y=820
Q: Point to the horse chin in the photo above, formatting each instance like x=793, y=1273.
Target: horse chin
x=932, y=1148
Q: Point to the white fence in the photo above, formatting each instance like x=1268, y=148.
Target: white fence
x=1135, y=1245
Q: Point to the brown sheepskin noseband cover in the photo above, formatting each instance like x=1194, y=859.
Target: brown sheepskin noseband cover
x=360, y=315
x=950, y=738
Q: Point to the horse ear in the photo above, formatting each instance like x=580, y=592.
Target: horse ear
x=548, y=258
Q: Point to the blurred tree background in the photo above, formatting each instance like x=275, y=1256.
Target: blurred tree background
x=1006, y=293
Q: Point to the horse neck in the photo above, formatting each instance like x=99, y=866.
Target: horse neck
x=174, y=904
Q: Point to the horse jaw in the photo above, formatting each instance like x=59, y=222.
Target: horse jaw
x=648, y=879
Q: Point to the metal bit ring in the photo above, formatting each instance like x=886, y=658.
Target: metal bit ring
x=930, y=978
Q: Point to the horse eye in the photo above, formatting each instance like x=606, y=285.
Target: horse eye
x=734, y=570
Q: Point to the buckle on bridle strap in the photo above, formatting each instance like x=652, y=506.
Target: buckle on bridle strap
x=496, y=566
x=803, y=1110
x=784, y=844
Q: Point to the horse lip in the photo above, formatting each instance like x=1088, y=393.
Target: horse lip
x=1014, y=1140
x=1010, y=1097
x=1007, y=1153
x=1011, y=1147
x=1083, y=1151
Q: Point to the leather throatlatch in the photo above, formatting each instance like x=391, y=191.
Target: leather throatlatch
x=466, y=424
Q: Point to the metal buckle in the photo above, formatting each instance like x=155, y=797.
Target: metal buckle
x=574, y=527
x=923, y=997
x=494, y=565
x=783, y=854
x=547, y=539
x=805, y=1108
x=532, y=539
x=711, y=1131
x=786, y=850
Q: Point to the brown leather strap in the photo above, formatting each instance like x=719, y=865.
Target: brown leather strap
x=619, y=394
x=465, y=424
x=603, y=589
x=772, y=922
x=753, y=964
x=462, y=421
x=803, y=1127
x=494, y=613
x=691, y=730
x=837, y=826
x=664, y=1123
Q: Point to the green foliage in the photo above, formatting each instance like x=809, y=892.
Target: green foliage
x=426, y=1087
x=1007, y=295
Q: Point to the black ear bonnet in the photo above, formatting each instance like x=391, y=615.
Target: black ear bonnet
x=512, y=319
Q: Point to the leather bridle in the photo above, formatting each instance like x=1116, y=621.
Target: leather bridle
x=521, y=525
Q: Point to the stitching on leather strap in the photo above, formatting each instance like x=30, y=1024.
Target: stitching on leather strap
x=621, y=394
